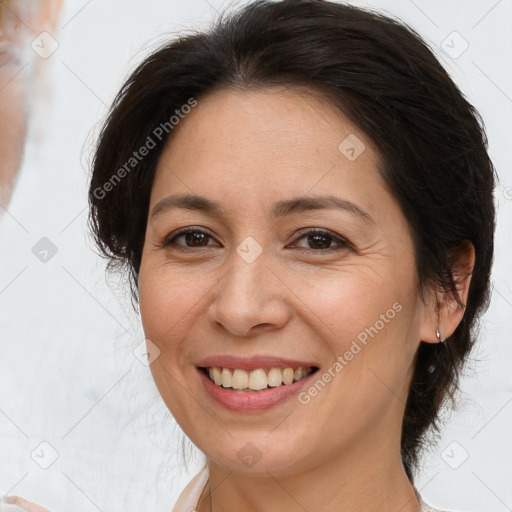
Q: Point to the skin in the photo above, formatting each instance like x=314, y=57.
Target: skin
x=20, y=22
x=342, y=450
x=247, y=150
x=24, y=504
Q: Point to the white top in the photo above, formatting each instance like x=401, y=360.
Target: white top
x=189, y=497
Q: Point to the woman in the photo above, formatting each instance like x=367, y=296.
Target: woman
x=21, y=21
x=304, y=201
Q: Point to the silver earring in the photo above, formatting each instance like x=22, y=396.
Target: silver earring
x=438, y=336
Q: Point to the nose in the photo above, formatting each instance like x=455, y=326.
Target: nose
x=249, y=298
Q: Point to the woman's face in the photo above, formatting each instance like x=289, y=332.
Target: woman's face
x=254, y=281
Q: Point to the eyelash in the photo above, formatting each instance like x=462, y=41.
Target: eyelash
x=342, y=242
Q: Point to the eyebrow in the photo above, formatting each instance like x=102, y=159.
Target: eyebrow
x=279, y=209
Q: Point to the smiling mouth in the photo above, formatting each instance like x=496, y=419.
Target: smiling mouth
x=234, y=379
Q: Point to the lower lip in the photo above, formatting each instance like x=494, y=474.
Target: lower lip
x=255, y=401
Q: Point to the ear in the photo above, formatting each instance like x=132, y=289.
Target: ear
x=443, y=311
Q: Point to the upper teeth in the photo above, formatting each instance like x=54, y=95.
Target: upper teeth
x=256, y=379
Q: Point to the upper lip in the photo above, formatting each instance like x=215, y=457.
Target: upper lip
x=253, y=362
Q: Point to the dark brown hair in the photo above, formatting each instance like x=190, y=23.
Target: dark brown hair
x=379, y=73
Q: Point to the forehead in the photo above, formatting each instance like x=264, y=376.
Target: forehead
x=246, y=147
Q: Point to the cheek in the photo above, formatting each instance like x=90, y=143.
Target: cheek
x=348, y=301
x=367, y=318
x=169, y=300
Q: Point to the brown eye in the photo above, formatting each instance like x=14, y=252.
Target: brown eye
x=320, y=241
x=192, y=238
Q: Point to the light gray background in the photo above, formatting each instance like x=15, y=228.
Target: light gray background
x=68, y=374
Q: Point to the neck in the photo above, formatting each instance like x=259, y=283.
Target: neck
x=350, y=483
